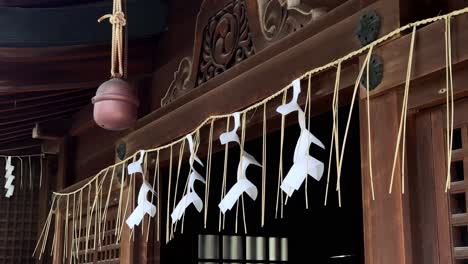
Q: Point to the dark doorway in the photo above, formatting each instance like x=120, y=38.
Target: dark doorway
x=320, y=234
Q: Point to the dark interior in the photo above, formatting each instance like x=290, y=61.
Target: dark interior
x=314, y=235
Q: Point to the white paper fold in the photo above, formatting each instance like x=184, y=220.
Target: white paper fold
x=304, y=164
x=231, y=136
x=135, y=167
x=243, y=185
x=191, y=197
x=144, y=206
x=9, y=178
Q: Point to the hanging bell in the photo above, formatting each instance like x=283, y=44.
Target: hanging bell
x=115, y=105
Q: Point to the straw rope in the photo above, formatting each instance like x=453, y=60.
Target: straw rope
x=117, y=21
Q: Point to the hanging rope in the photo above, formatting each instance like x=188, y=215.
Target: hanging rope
x=118, y=21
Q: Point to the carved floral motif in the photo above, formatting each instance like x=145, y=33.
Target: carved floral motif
x=282, y=17
x=179, y=85
x=226, y=41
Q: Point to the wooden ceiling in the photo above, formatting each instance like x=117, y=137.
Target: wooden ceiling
x=43, y=3
x=38, y=85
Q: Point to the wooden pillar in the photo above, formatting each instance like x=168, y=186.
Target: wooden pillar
x=386, y=219
x=60, y=183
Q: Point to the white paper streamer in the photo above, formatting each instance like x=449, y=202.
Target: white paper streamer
x=304, y=164
x=9, y=178
x=243, y=185
x=135, y=167
x=144, y=206
x=191, y=197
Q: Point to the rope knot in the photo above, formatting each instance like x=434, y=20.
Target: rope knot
x=118, y=18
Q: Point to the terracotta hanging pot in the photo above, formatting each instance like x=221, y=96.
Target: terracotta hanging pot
x=115, y=105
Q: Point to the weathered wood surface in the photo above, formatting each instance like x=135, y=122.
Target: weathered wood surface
x=255, y=84
x=63, y=68
x=386, y=220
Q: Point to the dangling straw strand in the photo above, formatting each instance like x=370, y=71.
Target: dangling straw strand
x=369, y=135
x=356, y=86
x=106, y=206
x=404, y=109
x=88, y=225
x=169, y=196
x=58, y=221
x=334, y=135
x=158, y=216
x=80, y=216
x=42, y=170
x=42, y=236
x=132, y=234
x=30, y=173
x=129, y=194
x=21, y=173
x=73, y=231
x=119, y=209
x=145, y=171
x=223, y=186
x=449, y=94
x=280, y=168
x=152, y=196
x=307, y=110
x=196, y=144
x=264, y=165
x=65, y=246
x=241, y=160
x=208, y=171
x=179, y=165
x=95, y=237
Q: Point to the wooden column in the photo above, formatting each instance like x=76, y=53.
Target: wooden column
x=386, y=220
x=60, y=182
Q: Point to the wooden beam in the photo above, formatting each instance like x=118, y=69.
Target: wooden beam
x=256, y=84
x=82, y=121
x=428, y=57
x=67, y=67
x=51, y=130
x=19, y=146
x=52, y=101
x=42, y=117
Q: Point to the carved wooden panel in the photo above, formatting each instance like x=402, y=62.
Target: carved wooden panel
x=230, y=31
x=226, y=41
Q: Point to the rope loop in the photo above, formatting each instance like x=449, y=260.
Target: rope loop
x=118, y=19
